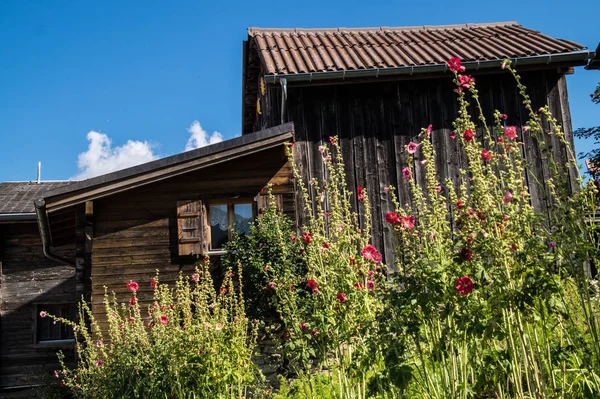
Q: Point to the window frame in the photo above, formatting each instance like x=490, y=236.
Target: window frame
x=62, y=342
x=230, y=216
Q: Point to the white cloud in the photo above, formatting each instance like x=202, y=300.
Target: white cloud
x=200, y=137
x=101, y=158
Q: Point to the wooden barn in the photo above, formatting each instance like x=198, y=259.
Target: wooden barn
x=374, y=88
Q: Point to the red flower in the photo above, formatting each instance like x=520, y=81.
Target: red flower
x=341, y=297
x=153, y=283
x=452, y=135
x=460, y=205
x=507, y=197
x=466, y=253
x=332, y=140
x=510, y=132
x=368, y=252
x=222, y=291
x=411, y=147
x=287, y=334
x=352, y=261
x=486, y=155
x=293, y=238
x=408, y=222
x=314, y=333
x=370, y=285
x=503, y=116
x=455, y=65
x=392, y=218
x=306, y=237
x=271, y=285
x=465, y=81
x=464, y=285
x=406, y=173
x=131, y=301
x=312, y=284
x=359, y=285
x=164, y=319
x=469, y=135
x=360, y=194
x=326, y=245
x=133, y=286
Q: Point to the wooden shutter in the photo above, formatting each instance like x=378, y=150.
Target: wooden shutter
x=191, y=228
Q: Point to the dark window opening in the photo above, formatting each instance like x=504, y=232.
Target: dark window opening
x=50, y=330
x=222, y=217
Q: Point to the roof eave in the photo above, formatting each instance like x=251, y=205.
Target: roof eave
x=17, y=217
x=575, y=58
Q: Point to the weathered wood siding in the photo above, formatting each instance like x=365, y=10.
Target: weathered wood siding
x=375, y=121
x=135, y=233
x=27, y=279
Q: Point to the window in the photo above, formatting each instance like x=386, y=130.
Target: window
x=223, y=217
x=50, y=331
x=204, y=228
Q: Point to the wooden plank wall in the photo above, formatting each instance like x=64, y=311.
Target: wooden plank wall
x=135, y=233
x=28, y=278
x=375, y=121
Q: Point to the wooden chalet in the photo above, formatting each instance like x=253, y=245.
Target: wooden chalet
x=374, y=88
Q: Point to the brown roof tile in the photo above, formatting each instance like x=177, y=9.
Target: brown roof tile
x=292, y=51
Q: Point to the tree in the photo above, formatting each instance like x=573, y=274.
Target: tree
x=593, y=133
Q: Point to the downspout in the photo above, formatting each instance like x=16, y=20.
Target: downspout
x=283, y=82
x=44, y=227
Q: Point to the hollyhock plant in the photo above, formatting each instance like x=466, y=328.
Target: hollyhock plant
x=153, y=283
x=464, y=285
x=486, y=155
x=392, y=218
x=510, y=132
x=468, y=135
x=412, y=148
x=408, y=222
x=360, y=193
x=341, y=297
x=466, y=81
x=406, y=173
x=369, y=252
x=133, y=286
x=454, y=64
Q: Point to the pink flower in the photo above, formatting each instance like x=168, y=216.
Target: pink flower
x=341, y=297
x=131, y=301
x=392, y=218
x=552, y=244
x=153, y=283
x=504, y=64
x=411, y=147
x=452, y=135
x=386, y=189
x=377, y=258
x=507, y=197
x=486, y=155
x=469, y=135
x=358, y=285
x=406, y=173
x=164, y=319
x=195, y=277
x=43, y=314
x=408, y=222
x=56, y=374
x=222, y=291
x=332, y=140
x=370, y=274
x=321, y=149
x=293, y=238
x=524, y=129
x=306, y=237
x=360, y=194
x=99, y=363
x=370, y=285
x=266, y=268
x=503, y=116
x=312, y=284
x=133, y=286
x=465, y=81
x=454, y=65
x=368, y=252
x=510, y=132
x=464, y=285
x=429, y=129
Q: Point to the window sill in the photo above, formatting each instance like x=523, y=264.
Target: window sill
x=58, y=343
x=216, y=252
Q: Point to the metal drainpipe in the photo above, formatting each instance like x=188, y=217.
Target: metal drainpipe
x=283, y=82
x=44, y=227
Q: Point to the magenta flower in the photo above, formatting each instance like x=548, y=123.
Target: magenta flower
x=510, y=132
x=153, y=283
x=486, y=155
x=341, y=297
x=360, y=194
x=164, y=319
x=368, y=252
x=133, y=286
x=411, y=147
x=469, y=135
x=312, y=284
x=131, y=301
x=464, y=285
x=507, y=197
x=406, y=173
x=370, y=285
x=408, y=222
x=392, y=218
x=454, y=65
x=465, y=81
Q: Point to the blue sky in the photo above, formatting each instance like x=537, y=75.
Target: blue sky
x=144, y=71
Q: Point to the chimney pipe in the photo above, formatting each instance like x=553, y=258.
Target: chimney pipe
x=39, y=177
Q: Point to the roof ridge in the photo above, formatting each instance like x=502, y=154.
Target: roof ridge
x=257, y=30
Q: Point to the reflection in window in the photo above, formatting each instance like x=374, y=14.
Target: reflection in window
x=243, y=218
x=219, y=226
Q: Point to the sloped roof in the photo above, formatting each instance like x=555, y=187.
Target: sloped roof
x=295, y=51
x=18, y=197
x=595, y=61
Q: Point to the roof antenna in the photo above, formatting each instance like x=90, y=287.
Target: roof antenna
x=39, y=179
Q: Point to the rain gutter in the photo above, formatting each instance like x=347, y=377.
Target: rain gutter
x=548, y=59
x=44, y=227
x=18, y=217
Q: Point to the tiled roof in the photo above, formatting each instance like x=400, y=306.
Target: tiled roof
x=18, y=197
x=293, y=51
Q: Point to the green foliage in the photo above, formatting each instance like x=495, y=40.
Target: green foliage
x=263, y=260
x=594, y=134
x=190, y=343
